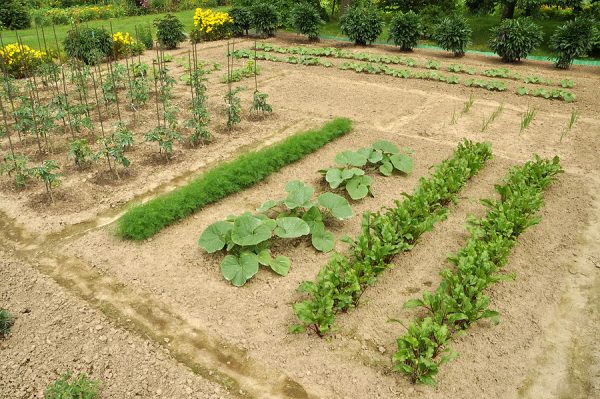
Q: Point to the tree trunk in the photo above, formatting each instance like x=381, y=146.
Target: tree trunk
x=508, y=10
x=344, y=4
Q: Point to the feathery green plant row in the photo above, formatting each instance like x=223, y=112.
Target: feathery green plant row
x=342, y=281
x=459, y=301
x=143, y=221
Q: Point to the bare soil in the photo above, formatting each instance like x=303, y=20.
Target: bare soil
x=236, y=339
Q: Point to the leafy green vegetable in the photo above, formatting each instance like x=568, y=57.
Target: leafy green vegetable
x=240, y=269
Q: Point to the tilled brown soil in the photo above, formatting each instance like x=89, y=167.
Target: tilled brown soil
x=544, y=345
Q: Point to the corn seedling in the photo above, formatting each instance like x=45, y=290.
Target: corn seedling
x=572, y=119
x=454, y=119
x=527, y=117
x=489, y=120
x=468, y=104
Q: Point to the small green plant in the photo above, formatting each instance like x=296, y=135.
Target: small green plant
x=80, y=152
x=264, y=18
x=453, y=34
x=454, y=119
x=491, y=85
x=114, y=146
x=306, y=20
x=233, y=107
x=405, y=30
x=501, y=73
x=169, y=31
x=259, y=103
x=165, y=138
x=16, y=165
x=69, y=387
x=6, y=322
x=572, y=119
x=515, y=38
x=350, y=175
x=567, y=83
x=489, y=120
x=433, y=64
x=537, y=80
x=247, y=238
x=45, y=172
x=573, y=39
x=468, y=104
x=527, y=117
x=236, y=75
x=362, y=23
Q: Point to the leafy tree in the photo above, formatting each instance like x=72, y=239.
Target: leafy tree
x=454, y=34
x=305, y=19
x=573, y=39
x=405, y=30
x=169, y=31
x=514, y=39
x=362, y=23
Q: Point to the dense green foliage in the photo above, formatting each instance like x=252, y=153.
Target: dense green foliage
x=459, y=301
x=264, y=19
x=6, y=322
x=342, y=281
x=169, y=31
x=145, y=220
x=14, y=14
x=90, y=45
x=242, y=20
x=306, y=20
x=67, y=387
x=514, y=39
x=362, y=23
x=405, y=30
x=573, y=39
x=453, y=34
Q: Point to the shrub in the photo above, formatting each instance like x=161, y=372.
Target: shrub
x=67, y=387
x=169, y=31
x=14, y=14
x=453, y=34
x=90, y=45
x=405, y=30
x=431, y=17
x=124, y=45
x=144, y=35
x=264, y=19
x=362, y=23
x=306, y=20
x=20, y=60
x=6, y=322
x=514, y=39
x=573, y=39
x=242, y=20
x=211, y=25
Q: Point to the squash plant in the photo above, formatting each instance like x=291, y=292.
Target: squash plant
x=350, y=172
x=247, y=237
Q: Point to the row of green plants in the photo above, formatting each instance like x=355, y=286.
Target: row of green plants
x=342, y=281
x=553, y=94
x=143, y=221
x=460, y=299
x=503, y=73
x=247, y=238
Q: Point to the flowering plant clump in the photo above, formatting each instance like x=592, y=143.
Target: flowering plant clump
x=78, y=14
x=211, y=25
x=124, y=44
x=20, y=60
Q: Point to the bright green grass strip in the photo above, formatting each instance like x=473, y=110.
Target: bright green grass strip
x=145, y=220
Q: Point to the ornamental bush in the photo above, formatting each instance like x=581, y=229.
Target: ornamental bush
x=169, y=31
x=573, y=39
x=362, y=23
x=405, y=30
x=264, y=19
x=242, y=20
x=20, y=60
x=211, y=25
x=90, y=45
x=306, y=20
x=453, y=34
x=515, y=38
x=14, y=14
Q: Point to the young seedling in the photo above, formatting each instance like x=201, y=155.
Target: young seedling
x=233, y=107
x=16, y=165
x=67, y=387
x=488, y=121
x=6, y=322
x=468, y=104
x=527, y=117
x=572, y=119
x=454, y=119
x=80, y=152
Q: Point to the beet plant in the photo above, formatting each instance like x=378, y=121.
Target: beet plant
x=247, y=237
x=349, y=174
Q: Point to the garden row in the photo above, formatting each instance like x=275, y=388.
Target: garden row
x=460, y=301
x=334, y=52
x=430, y=74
